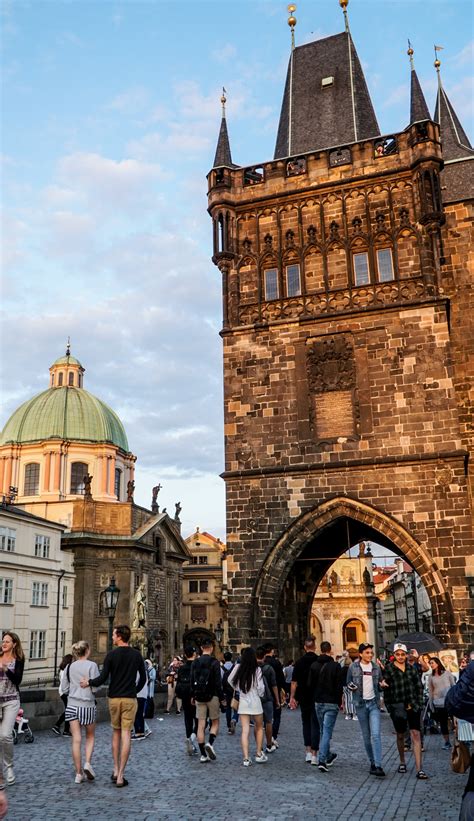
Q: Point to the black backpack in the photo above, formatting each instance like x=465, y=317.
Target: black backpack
x=228, y=690
x=183, y=682
x=202, y=680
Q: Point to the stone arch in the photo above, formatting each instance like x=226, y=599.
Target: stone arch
x=286, y=550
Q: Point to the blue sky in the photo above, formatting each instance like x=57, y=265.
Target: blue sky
x=110, y=114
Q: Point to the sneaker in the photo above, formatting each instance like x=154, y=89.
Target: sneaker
x=204, y=759
x=88, y=771
x=67, y=734
x=229, y=731
x=79, y=778
x=261, y=758
x=210, y=751
x=373, y=769
x=347, y=718
x=323, y=767
x=308, y=758
x=56, y=730
x=270, y=749
x=232, y=726
x=10, y=775
x=331, y=759
x=246, y=762
x=446, y=746
x=275, y=743
x=314, y=760
x=148, y=732
x=189, y=746
x=354, y=718
x=380, y=772
x=138, y=737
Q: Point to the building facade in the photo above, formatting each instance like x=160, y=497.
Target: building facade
x=403, y=605
x=205, y=589
x=36, y=589
x=348, y=346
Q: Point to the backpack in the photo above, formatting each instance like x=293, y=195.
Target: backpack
x=228, y=690
x=183, y=683
x=202, y=681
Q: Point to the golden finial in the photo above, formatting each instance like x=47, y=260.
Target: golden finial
x=68, y=346
x=410, y=53
x=437, y=62
x=223, y=100
x=343, y=4
x=292, y=23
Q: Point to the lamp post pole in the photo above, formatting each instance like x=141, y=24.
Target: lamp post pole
x=108, y=605
x=55, y=679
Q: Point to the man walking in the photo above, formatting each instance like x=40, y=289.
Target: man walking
x=363, y=680
x=207, y=693
x=270, y=699
x=183, y=691
x=271, y=659
x=122, y=665
x=302, y=695
x=325, y=682
x=403, y=696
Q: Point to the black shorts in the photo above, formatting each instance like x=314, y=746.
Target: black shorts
x=404, y=720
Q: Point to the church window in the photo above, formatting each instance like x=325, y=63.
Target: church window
x=271, y=283
x=60, y=379
x=32, y=472
x=385, y=264
x=293, y=281
x=361, y=269
x=52, y=379
x=118, y=482
x=78, y=471
x=71, y=378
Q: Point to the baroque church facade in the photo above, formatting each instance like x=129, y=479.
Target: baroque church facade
x=348, y=346
x=64, y=457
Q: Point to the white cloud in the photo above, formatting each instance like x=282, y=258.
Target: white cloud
x=131, y=100
x=225, y=53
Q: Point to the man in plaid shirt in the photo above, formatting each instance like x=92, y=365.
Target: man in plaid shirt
x=403, y=696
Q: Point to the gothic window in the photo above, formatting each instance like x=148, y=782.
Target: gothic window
x=32, y=472
x=71, y=379
x=78, y=471
x=117, y=482
x=361, y=269
x=293, y=280
x=271, y=284
x=60, y=378
x=384, y=264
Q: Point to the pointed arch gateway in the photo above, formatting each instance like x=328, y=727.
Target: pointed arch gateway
x=301, y=556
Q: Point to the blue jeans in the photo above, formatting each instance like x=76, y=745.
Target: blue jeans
x=327, y=715
x=368, y=714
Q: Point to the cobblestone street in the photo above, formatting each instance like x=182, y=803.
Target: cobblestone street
x=165, y=783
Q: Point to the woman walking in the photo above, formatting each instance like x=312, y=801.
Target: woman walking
x=247, y=679
x=438, y=685
x=12, y=663
x=81, y=710
x=171, y=676
x=56, y=728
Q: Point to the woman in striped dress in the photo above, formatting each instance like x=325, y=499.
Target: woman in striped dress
x=81, y=710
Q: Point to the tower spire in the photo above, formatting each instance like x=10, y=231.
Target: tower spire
x=223, y=156
x=292, y=23
x=418, y=109
x=343, y=4
x=455, y=141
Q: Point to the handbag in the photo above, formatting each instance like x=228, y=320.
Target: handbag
x=234, y=703
x=460, y=757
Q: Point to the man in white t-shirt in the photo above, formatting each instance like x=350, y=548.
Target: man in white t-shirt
x=363, y=679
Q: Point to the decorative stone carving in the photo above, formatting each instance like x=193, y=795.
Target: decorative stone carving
x=268, y=240
x=311, y=233
x=331, y=364
x=290, y=238
x=334, y=230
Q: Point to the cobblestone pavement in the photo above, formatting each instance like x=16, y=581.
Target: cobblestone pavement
x=165, y=783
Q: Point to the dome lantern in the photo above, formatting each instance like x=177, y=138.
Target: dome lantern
x=66, y=372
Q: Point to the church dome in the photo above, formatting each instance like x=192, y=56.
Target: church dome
x=65, y=411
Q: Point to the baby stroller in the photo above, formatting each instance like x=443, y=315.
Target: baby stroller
x=22, y=729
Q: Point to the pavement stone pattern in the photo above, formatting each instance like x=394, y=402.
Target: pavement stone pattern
x=165, y=783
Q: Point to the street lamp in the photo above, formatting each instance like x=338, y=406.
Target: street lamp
x=219, y=633
x=108, y=605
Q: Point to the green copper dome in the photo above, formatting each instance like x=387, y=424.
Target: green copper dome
x=65, y=413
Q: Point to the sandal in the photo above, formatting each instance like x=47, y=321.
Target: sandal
x=422, y=775
x=113, y=777
x=123, y=784
x=402, y=768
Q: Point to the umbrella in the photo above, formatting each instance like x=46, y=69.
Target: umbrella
x=423, y=642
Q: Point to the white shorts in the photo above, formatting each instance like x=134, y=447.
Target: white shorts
x=84, y=715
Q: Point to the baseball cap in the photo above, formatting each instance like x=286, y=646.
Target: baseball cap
x=400, y=647
x=365, y=646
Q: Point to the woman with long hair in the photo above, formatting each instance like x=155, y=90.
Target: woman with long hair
x=247, y=679
x=56, y=728
x=438, y=685
x=12, y=663
x=81, y=710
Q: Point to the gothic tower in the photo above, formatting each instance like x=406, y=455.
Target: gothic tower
x=348, y=344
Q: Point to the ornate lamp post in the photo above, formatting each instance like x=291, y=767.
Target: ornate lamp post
x=108, y=605
x=219, y=633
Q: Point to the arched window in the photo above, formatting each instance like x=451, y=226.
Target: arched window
x=32, y=473
x=118, y=482
x=79, y=381
x=71, y=378
x=52, y=379
x=78, y=471
x=60, y=379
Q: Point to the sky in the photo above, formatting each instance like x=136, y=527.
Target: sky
x=110, y=116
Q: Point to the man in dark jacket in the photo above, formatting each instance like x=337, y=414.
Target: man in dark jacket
x=271, y=659
x=325, y=682
x=183, y=691
x=301, y=695
x=207, y=693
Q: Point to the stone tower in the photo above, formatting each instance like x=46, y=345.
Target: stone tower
x=348, y=345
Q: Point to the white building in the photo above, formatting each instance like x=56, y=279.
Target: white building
x=36, y=589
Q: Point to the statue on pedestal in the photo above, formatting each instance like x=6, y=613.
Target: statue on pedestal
x=139, y=607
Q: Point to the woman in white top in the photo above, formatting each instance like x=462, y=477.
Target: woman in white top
x=440, y=681
x=81, y=710
x=247, y=679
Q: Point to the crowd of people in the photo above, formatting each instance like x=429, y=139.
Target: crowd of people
x=250, y=690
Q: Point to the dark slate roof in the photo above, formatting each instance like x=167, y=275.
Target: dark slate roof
x=223, y=156
x=454, y=139
x=418, y=109
x=314, y=117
